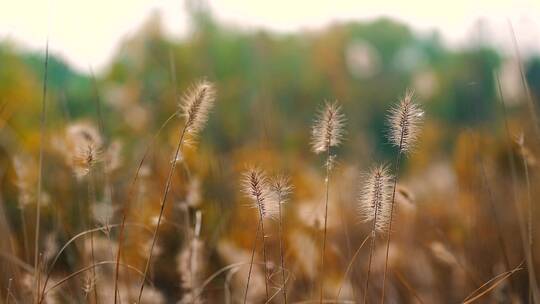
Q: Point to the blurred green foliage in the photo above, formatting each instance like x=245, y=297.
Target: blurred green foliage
x=267, y=79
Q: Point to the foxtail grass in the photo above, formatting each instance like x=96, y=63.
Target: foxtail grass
x=281, y=187
x=374, y=205
x=194, y=108
x=327, y=132
x=404, y=123
x=256, y=187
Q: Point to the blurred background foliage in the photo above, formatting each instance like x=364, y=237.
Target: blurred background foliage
x=270, y=82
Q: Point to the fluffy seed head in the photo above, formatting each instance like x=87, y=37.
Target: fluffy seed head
x=196, y=104
x=328, y=128
x=404, y=121
x=281, y=187
x=84, y=147
x=375, y=197
x=256, y=187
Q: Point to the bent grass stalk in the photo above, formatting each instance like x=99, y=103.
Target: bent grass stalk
x=66, y=245
x=349, y=267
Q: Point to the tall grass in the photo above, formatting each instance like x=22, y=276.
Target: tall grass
x=403, y=121
x=327, y=132
x=374, y=206
x=40, y=176
x=281, y=187
x=195, y=106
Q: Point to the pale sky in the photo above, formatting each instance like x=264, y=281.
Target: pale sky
x=86, y=33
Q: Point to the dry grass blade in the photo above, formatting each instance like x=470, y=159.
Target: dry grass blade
x=349, y=267
x=90, y=267
x=126, y=208
x=404, y=121
x=327, y=132
x=498, y=278
x=195, y=107
x=73, y=239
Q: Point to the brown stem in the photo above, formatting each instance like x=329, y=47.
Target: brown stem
x=252, y=257
x=372, y=248
x=91, y=202
x=125, y=210
x=530, y=264
x=350, y=266
x=163, y=202
x=327, y=180
x=398, y=161
x=40, y=178
x=284, y=289
x=266, y=278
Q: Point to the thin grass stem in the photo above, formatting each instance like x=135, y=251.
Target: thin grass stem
x=163, y=203
x=40, y=177
x=251, y=262
x=327, y=181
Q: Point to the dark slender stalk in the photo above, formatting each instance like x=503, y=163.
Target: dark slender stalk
x=327, y=180
x=389, y=233
x=403, y=281
x=163, y=202
x=40, y=178
x=530, y=102
x=266, y=278
x=530, y=229
x=125, y=210
x=281, y=251
x=371, y=250
x=493, y=211
x=91, y=202
x=251, y=262
x=492, y=208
